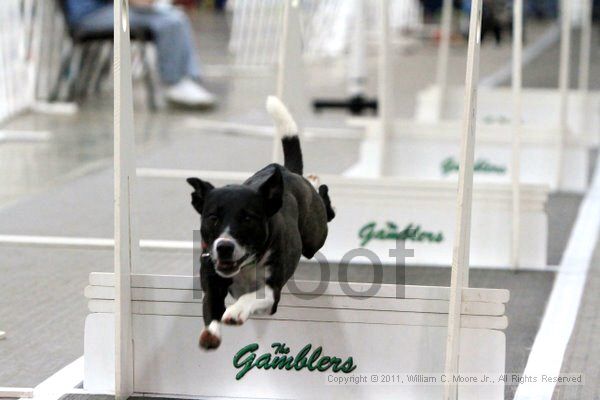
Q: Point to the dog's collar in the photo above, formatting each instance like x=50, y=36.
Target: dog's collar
x=242, y=260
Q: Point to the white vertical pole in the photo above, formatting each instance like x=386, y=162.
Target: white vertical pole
x=277, y=157
x=4, y=50
x=125, y=241
x=385, y=85
x=584, y=62
x=443, y=56
x=517, y=87
x=10, y=60
x=563, y=84
x=460, y=257
x=357, y=69
x=8, y=49
x=585, y=46
x=37, y=30
x=290, y=70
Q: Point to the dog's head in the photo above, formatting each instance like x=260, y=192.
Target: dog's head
x=235, y=220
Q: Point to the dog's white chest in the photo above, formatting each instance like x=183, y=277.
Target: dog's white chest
x=250, y=279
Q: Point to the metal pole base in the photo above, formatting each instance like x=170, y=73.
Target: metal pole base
x=357, y=104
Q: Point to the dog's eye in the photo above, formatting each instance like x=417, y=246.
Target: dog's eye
x=246, y=217
x=212, y=219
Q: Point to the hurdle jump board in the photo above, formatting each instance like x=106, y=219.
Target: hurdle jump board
x=540, y=108
x=372, y=214
x=431, y=151
x=411, y=320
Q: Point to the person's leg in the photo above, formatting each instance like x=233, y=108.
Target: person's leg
x=498, y=33
x=177, y=61
x=173, y=38
x=100, y=20
x=177, y=57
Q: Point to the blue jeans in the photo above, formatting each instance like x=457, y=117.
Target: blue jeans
x=173, y=38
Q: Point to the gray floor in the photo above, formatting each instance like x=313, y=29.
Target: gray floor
x=64, y=187
x=583, y=351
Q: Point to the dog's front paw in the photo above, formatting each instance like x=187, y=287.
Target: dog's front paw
x=210, y=337
x=208, y=340
x=235, y=315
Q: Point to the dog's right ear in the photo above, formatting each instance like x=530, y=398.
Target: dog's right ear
x=201, y=189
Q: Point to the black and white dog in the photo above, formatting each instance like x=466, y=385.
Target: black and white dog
x=253, y=234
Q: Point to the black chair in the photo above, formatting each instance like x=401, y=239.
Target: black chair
x=86, y=63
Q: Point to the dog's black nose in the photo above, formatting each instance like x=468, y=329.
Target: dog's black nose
x=225, y=249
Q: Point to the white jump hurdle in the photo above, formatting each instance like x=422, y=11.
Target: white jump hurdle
x=166, y=316
x=540, y=110
x=561, y=160
x=431, y=153
x=373, y=213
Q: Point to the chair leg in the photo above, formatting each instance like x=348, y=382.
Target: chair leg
x=104, y=70
x=103, y=58
x=74, y=69
x=87, y=70
x=62, y=73
x=148, y=79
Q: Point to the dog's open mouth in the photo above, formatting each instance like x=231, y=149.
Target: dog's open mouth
x=228, y=267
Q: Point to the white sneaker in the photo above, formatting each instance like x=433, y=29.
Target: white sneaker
x=190, y=93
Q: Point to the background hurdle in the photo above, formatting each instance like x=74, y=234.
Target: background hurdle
x=576, y=128
x=27, y=66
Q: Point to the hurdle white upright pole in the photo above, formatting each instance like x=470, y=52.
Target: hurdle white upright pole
x=385, y=84
x=357, y=64
x=517, y=87
x=585, y=46
x=563, y=84
x=585, y=49
x=126, y=243
x=443, y=57
x=290, y=74
x=462, y=241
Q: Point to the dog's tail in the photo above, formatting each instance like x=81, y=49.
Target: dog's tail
x=288, y=130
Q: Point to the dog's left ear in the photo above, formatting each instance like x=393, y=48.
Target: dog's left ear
x=201, y=189
x=272, y=191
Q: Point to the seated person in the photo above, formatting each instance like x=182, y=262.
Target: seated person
x=177, y=60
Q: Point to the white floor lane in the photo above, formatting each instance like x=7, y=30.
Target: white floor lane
x=551, y=342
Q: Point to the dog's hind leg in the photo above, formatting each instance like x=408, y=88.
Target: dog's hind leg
x=314, y=181
x=324, y=193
